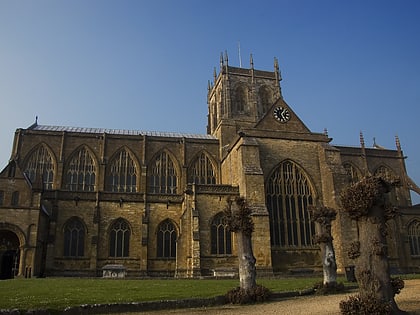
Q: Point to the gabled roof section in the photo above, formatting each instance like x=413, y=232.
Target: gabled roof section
x=269, y=122
x=13, y=170
x=119, y=132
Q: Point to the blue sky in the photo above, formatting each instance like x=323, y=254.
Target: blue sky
x=347, y=66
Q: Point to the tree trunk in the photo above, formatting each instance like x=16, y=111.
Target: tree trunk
x=247, y=271
x=372, y=267
x=329, y=265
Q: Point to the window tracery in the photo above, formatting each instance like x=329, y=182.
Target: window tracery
x=202, y=171
x=122, y=174
x=414, y=237
x=119, y=239
x=74, y=238
x=81, y=172
x=163, y=177
x=221, y=237
x=289, y=193
x=166, y=240
x=40, y=165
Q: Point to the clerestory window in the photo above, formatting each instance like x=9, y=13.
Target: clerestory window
x=202, y=171
x=163, y=177
x=81, y=172
x=122, y=174
x=40, y=165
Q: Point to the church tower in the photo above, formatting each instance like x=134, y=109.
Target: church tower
x=238, y=98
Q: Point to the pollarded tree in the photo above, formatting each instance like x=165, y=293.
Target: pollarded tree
x=239, y=221
x=366, y=202
x=323, y=217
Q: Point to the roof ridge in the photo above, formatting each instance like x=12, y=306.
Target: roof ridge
x=121, y=131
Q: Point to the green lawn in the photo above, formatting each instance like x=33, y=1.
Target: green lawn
x=59, y=293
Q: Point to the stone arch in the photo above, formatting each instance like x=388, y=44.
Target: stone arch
x=12, y=243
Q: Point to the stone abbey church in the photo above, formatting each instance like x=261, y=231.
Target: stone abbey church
x=74, y=200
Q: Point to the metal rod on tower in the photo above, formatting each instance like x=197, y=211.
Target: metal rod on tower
x=239, y=51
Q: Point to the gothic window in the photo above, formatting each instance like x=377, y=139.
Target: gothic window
x=122, y=174
x=289, y=193
x=81, y=172
x=166, y=240
x=119, y=239
x=352, y=172
x=74, y=238
x=241, y=99
x=15, y=198
x=414, y=238
x=264, y=100
x=1, y=197
x=387, y=174
x=40, y=165
x=163, y=177
x=384, y=172
x=221, y=237
x=12, y=169
x=202, y=171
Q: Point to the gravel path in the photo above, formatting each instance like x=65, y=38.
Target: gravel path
x=407, y=300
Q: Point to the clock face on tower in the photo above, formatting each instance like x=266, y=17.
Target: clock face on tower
x=281, y=114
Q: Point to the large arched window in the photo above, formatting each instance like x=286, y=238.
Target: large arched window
x=289, y=193
x=221, y=237
x=414, y=237
x=352, y=172
x=122, y=173
x=163, y=177
x=81, y=171
x=166, y=240
x=40, y=165
x=119, y=239
x=202, y=171
x=74, y=238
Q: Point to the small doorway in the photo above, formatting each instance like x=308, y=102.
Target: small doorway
x=9, y=254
